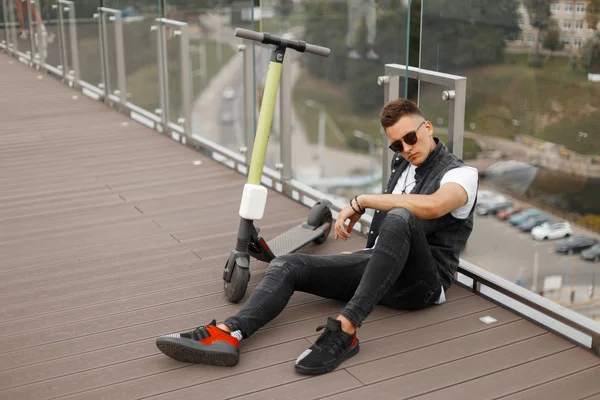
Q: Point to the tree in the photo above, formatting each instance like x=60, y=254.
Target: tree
x=539, y=18
x=455, y=35
x=552, y=40
x=466, y=33
x=592, y=13
x=591, y=54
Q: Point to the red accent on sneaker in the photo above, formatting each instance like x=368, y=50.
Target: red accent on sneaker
x=354, y=341
x=217, y=335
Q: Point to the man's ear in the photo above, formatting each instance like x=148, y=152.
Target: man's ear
x=430, y=128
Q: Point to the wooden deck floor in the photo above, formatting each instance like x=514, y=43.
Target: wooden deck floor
x=111, y=235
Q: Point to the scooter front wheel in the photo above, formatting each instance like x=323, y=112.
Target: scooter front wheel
x=235, y=289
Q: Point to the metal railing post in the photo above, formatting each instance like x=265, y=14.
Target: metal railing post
x=114, y=16
x=391, y=84
x=120, y=50
x=63, y=41
x=6, y=26
x=180, y=29
x=32, y=46
x=163, y=111
x=13, y=45
x=70, y=8
x=285, y=120
x=456, y=112
x=105, y=85
x=186, y=81
x=248, y=101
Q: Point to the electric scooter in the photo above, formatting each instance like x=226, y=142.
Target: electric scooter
x=236, y=273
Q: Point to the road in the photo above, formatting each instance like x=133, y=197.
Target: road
x=504, y=250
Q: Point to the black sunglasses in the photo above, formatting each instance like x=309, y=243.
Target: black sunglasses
x=410, y=138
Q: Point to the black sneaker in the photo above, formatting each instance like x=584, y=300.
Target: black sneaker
x=204, y=345
x=330, y=349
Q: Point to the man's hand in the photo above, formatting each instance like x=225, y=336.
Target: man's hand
x=341, y=231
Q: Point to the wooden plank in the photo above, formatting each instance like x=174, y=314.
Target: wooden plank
x=110, y=234
x=573, y=387
x=468, y=367
x=64, y=208
x=129, y=290
x=292, y=381
x=174, y=317
x=278, y=331
x=91, y=275
x=35, y=198
x=19, y=230
x=113, y=355
x=443, y=352
x=124, y=278
x=92, y=263
x=535, y=372
x=107, y=249
x=181, y=375
x=282, y=329
x=308, y=388
x=133, y=362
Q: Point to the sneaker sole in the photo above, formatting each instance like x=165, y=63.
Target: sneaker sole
x=191, y=351
x=351, y=352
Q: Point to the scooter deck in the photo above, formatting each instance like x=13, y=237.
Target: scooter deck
x=293, y=239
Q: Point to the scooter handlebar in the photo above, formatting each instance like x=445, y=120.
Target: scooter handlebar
x=318, y=50
x=248, y=34
x=297, y=45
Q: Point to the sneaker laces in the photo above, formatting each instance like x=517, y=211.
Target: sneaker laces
x=330, y=341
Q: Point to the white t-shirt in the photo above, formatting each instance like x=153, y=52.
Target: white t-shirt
x=465, y=176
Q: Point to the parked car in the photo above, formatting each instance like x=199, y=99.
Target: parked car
x=532, y=222
x=485, y=197
x=574, y=244
x=591, y=254
x=507, y=212
x=557, y=230
x=492, y=208
x=523, y=216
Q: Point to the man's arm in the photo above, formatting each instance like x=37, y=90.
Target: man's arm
x=424, y=206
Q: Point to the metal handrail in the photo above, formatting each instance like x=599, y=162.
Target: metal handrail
x=534, y=301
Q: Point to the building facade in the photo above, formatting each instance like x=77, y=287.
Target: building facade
x=570, y=16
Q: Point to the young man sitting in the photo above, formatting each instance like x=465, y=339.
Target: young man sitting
x=421, y=223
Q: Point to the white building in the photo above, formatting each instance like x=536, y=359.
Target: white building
x=570, y=16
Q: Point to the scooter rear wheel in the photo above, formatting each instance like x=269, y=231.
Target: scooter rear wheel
x=235, y=289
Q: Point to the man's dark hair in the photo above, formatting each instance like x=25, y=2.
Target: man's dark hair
x=394, y=110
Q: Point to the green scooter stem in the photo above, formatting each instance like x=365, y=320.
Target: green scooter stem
x=265, y=120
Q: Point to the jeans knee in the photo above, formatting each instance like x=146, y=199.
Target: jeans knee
x=399, y=217
x=282, y=266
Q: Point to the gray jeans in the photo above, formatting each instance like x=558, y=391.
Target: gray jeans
x=399, y=272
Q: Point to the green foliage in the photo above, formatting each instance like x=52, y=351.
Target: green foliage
x=467, y=33
x=552, y=40
x=539, y=13
x=455, y=35
x=592, y=13
x=591, y=55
